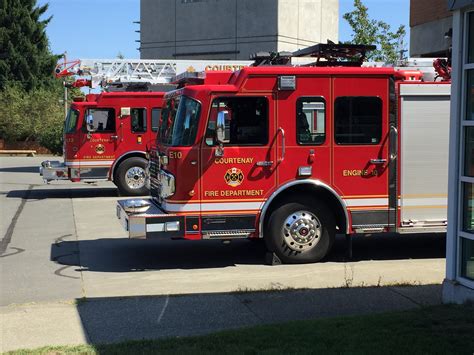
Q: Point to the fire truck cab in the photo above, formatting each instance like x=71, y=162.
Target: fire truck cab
x=295, y=155
x=106, y=137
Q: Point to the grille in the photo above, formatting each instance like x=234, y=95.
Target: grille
x=154, y=171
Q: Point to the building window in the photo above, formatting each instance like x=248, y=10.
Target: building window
x=466, y=229
x=467, y=258
x=468, y=208
x=358, y=120
x=470, y=34
x=310, y=120
x=469, y=152
x=470, y=95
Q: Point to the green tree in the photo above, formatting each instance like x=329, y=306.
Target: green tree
x=30, y=96
x=368, y=31
x=35, y=115
x=25, y=58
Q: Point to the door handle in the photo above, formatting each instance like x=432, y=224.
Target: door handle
x=282, y=131
x=378, y=161
x=114, y=138
x=393, y=143
x=265, y=163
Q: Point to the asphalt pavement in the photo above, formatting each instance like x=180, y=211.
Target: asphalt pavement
x=69, y=274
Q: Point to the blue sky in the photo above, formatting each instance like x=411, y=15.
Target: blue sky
x=103, y=28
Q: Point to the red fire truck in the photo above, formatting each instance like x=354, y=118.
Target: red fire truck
x=107, y=135
x=295, y=155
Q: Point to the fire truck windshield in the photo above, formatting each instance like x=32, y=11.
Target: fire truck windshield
x=179, y=121
x=71, y=121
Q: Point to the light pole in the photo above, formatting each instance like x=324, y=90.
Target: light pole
x=65, y=88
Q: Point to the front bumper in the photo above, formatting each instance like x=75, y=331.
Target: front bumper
x=53, y=170
x=143, y=219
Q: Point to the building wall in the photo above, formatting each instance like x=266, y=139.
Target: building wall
x=428, y=39
x=429, y=21
x=423, y=11
x=458, y=286
x=233, y=29
x=302, y=23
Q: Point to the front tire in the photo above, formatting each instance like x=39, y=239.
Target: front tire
x=300, y=232
x=130, y=177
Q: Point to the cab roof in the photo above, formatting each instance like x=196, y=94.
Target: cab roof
x=233, y=81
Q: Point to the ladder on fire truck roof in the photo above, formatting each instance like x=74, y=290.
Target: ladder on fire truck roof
x=352, y=55
x=108, y=73
x=326, y=54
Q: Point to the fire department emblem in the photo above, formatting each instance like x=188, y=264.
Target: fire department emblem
x=234, y=177
x=100, y=149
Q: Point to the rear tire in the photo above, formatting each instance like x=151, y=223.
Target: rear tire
x=130, y=177
x=300, y=232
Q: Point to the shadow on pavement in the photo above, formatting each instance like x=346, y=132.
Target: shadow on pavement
x=21, y=169
x=107, y=320
x=392, y=247
x=125, y=255
x=41, y=194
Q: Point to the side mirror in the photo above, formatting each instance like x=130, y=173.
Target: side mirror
x=222, y=129
x=90, y=123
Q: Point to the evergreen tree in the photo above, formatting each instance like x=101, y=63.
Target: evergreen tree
x=25, y=58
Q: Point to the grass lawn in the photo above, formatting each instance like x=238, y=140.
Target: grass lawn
x=432, y=330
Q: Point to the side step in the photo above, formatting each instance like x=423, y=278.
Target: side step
x=235, y=234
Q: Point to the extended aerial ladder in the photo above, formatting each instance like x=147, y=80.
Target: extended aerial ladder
x=107, y=73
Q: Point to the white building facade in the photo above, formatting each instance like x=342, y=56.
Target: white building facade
x=233, y=29
x=459, y=283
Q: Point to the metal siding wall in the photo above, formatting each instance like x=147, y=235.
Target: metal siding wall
x=424, y=165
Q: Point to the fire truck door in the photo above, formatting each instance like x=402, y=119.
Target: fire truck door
x=236, y=180
x=139, y=129
x=99, y=143
x=360, y=148
x=155, y=120
x=303, y=116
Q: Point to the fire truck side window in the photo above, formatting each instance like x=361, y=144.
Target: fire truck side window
x=248, y=120
x=155, y=119
x=71, y=121
x=138, y=117
x=103, y=119
x=357, y=120
x=310, y=120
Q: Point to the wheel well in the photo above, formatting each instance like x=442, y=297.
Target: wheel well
x=316, y=192
x=122, y=159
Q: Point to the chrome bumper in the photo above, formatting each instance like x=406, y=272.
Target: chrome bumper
x=143, y=219
x=53, y=170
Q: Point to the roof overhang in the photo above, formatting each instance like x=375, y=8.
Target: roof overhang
x=459, y=4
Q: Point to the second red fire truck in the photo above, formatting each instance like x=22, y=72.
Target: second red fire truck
x=106, y=137
x=295, y=155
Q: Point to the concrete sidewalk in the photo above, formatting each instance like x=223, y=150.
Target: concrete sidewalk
x=105, y=320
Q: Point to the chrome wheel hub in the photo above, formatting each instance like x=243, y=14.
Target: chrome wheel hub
x=301, y=231
x=135, y=177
